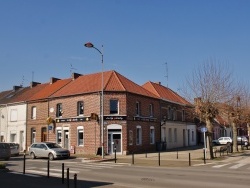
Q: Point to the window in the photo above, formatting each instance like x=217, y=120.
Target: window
x=130, y=137
x=175, y=134
x=13, y=115
x=151, y=110
x=138, y=135
x=59, y=111
x=169, y=112
x=80, y=108
x=192, y=136
x=13, y=137
x=183, y=115
x=33, y=112
x=170, y=135
x=174, y=114
x=33, y=135
x=80, y=136
x=138, y=113
x=152, y=135
x=114, y=106
x=59, y=137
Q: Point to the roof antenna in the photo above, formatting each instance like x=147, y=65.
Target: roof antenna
x=71, y=68
x=32, y=77
x=22, y=82
x=167, y=72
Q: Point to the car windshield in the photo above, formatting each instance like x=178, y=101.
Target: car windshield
x=53, y=145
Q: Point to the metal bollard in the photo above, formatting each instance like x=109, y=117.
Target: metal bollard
x=62, y=173
x=115, y=154
x=133, y=158
x=159, y=158
x=189, y=157
x=204, y=153
x=146, y=155
x=24, y=159
x=48, y=169
x=177, y=154
x=67, y=177
x=75, y=180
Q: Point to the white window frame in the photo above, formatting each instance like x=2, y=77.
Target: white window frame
x=138, y=135
x=80, y=129
x=138, y=108
x=33, y=112
x=151, y=110
x=59, y=136
x=152, y=135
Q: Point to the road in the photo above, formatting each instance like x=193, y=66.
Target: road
x=229, y=173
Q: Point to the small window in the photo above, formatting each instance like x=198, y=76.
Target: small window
x=59, y=111
x=151, y=110
x=138, y=135
x=174, y=116
x=138, y=109
x=114, y=106
x=169, y=112
x=80, y=136
x=33, y=112
x=80, y=108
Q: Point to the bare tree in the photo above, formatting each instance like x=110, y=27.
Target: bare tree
x=211, y=84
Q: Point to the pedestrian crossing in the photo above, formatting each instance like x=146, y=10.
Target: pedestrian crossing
x=231, y=166
x=74, y=168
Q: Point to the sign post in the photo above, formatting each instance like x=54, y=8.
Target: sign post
x=204, y=130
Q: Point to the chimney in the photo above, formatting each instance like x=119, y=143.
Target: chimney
x=15, y=88
x=33, y=84
x=53, y=80
x=158, y=83
x=75, y=75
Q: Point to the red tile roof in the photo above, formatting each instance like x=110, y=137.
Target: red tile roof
x=112, y=81
x=165, y=93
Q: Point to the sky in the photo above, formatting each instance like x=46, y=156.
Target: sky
x=144, y=40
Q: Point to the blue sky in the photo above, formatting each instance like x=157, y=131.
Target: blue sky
x=44, y=38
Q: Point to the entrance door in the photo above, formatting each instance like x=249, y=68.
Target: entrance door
x=114, y=142
x=44, y=134
x=66, y=139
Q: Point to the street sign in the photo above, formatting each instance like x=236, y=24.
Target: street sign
x=204, y=129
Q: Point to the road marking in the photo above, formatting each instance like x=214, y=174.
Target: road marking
x=59, y=170
x=237, y=166
x=219, y=166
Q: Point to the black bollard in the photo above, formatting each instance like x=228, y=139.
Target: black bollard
x=204, y=153
x=48, y=169
x=133, y=158
x=146, y=155
x=62, y=173
x=115, y=154
x=24, y=159
x=189, y=157
x=75, y=180
x=159, y=158
x=177, y=154
x=67, y=177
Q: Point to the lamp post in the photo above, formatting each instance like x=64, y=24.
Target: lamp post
x=90, y=45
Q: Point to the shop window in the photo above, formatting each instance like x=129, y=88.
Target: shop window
x=138, y=135
x=152, y=135
x=80, y=136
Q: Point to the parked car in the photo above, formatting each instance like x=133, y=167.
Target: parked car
x=223, y=140
x=5, y=151
x=14, y=149
x=49, y=150
x=242, y=140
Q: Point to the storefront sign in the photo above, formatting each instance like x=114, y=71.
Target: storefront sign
x=119, y=118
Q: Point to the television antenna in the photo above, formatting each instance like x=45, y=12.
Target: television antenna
x=71, y=68
x=166, y=72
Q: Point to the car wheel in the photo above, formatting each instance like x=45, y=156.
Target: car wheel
x=32, y=155
x=51, y=157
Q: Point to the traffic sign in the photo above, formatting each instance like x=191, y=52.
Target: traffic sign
x=204, y=129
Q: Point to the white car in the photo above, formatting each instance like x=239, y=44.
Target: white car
x=223, y=140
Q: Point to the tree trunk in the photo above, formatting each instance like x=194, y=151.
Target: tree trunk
x=235, y=145
x=210, y=134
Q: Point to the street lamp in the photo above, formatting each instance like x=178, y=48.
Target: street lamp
x=90, y=45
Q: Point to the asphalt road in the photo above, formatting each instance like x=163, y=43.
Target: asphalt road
x=233, y=171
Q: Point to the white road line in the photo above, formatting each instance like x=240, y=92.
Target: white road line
x=237, y=166
x=219, y=166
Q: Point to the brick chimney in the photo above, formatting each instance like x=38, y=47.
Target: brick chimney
x=53, y=80
x=15, y=88
x=33, y=84
x=75, y=75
